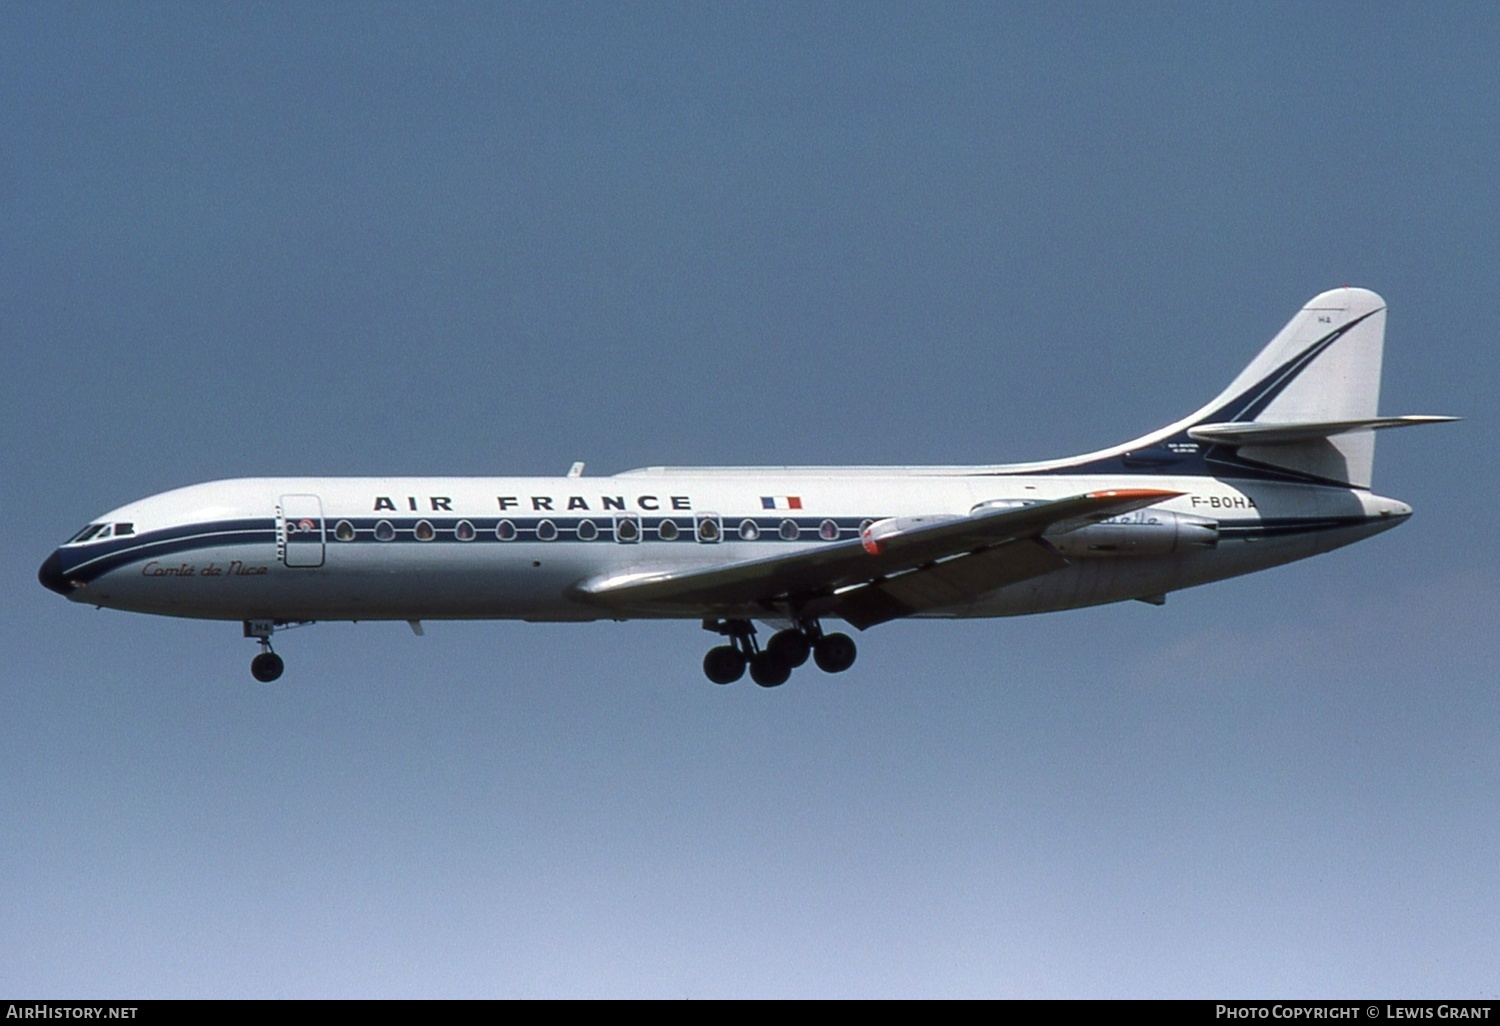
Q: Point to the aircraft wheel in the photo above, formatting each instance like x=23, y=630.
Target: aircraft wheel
x=834, y=653
x=790, y=646
x=768, y=671
x=266, y=667
x=724, y=664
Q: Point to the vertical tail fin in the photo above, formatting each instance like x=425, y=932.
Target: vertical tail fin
x=1323, y=368
x=1302, y=411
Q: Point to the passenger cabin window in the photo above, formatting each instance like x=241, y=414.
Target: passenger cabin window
x=587, y=531
x=424, y=531
x=708, y=529
x=344, y=531
x=789, y=530
x=464, y=531
x=828, y=531
x=384, y=531
x=627, y=529
x=546, y=531
x=505, y=531
x=749, y=530
x=667, y=530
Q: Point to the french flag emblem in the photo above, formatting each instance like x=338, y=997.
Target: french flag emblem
x=781, y=502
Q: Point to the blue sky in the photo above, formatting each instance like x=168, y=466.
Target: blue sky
x=482, y=239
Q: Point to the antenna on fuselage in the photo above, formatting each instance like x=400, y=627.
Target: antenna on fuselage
x=576, y=470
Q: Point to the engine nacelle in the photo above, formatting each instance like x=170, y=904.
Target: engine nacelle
x=877, y=534
x=1146, y=532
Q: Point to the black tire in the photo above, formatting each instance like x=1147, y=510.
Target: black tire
x=768, y=671
x=834, y=653
x=266, y=667
x=791, y=646
x=724, y=664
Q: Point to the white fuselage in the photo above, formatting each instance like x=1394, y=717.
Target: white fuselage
x=1275, y=468
x=291, y=549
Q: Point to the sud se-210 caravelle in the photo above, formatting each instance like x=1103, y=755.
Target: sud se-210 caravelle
x=1274, y=469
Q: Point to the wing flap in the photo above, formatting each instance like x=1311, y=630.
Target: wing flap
x=949, y=583
x=915, y=544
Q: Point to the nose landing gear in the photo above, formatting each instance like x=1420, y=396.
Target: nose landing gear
x=267, y=666
x=785, y=651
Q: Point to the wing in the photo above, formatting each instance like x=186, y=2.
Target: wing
x=898, y=567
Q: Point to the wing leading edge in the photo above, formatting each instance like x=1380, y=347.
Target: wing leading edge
x=899, y=567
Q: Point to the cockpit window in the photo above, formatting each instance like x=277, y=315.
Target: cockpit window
x=98, y=532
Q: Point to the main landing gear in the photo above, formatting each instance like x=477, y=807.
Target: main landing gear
x=785, y=651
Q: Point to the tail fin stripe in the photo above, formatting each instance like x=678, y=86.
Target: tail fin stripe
x=1275, y=383
x=1260, y=395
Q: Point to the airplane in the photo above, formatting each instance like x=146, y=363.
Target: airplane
x=1275, y=468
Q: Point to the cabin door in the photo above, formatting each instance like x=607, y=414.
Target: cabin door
x=299, y=530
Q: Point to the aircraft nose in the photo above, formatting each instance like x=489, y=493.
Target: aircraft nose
x=51, y=575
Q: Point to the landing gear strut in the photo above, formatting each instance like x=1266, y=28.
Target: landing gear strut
x=785, y=651
x=267, y=666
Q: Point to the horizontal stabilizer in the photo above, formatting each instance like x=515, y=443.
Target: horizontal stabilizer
x=1263, y=433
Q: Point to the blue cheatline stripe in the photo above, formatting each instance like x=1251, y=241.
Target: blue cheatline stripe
x=766, y=529
x=94, y=568
x=1278, y=526
x=88, y=558
x=88, y=561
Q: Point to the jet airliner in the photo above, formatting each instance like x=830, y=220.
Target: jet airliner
x=1276, y=468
